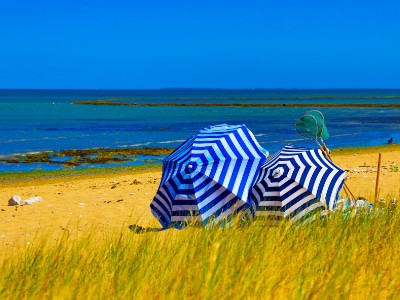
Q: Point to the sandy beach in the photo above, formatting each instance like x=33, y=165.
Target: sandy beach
x=113, y=201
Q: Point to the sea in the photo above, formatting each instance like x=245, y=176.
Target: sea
x=45, y=120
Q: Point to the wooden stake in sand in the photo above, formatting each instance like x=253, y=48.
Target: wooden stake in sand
x=378, y=171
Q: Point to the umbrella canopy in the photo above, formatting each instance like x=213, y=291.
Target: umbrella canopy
x=296, y=181
x=209, y=177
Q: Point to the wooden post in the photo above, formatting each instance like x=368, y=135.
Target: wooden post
x=378, y=171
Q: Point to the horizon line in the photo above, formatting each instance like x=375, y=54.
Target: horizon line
x=184, y=88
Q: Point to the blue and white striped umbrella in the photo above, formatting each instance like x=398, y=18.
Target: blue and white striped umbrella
x=296, y=181
x=209, y=177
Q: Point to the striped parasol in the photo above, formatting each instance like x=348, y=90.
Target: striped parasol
x=209, y=177
x=295, y=182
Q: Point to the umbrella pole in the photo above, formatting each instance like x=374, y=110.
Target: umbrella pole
x=345, y=186
x=346, y=189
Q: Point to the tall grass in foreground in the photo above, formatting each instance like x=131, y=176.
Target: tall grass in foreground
x=342, y=257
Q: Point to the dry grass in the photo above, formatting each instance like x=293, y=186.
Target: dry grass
x=349, y=257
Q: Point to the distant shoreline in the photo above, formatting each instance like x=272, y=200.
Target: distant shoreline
x=113, y=103
x=202, y=89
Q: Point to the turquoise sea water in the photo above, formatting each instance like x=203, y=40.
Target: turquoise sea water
x=41, y=120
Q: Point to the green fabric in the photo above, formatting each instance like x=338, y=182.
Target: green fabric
x=312, y=126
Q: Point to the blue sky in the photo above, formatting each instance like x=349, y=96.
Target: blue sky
x=215, y=44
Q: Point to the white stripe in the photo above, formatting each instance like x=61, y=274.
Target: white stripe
x=298, y=204
x=211, y=197
x=165, y=214
x=294, y=195
x=289, y=188
x=229, y=172
x=178, y=207
x=272, y=194
x=319, y=176
x=335, y=190
x=238, y=178
x=270, y=203
x=227, y=212
x=327, y=184
x=220, y=204
x=306, y=211
x=313, y=168
x=221, y=163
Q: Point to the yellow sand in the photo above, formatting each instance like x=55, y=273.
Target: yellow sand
x=105, y=202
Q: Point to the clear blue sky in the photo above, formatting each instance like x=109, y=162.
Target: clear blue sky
x=216, y=44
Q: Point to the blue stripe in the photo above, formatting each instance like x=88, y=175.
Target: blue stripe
x=159, y=216
x=236, y=165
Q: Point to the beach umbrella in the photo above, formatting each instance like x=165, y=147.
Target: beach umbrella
x=312, y=126
x=295, y=182
x=209, y=177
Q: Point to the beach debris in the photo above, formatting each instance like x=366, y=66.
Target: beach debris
x=17, y=200
x=361, y=204
x=341, y=204
x=120, y=200
x=14, y=200
x=114, y=184
x=394, y=167
x=135, y=182
x=32, y=200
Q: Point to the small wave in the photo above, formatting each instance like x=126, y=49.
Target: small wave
x=346, y=134
x=137, y=145
x=15, y=141
x=150, y=143
x=281, y=141
x=170, y=142
x=31, y=140
x=54, y=138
